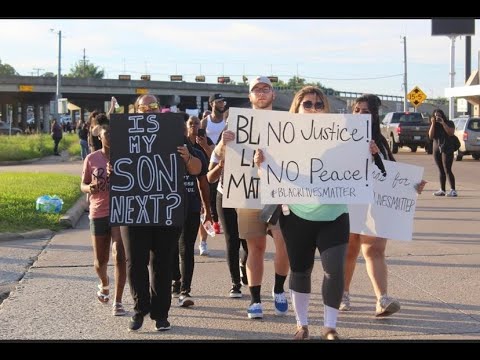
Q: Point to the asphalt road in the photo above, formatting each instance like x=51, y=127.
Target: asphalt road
x=435, y=276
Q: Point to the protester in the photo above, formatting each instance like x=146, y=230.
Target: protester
x=153, y=247
x=254, y=230
x=440, y=130
x=82, y=131
x=373, y=247
x=324, y=227
x=213, y=123
x=228, y=218
x=57, y=134
x=96, y=182
x=198, y=194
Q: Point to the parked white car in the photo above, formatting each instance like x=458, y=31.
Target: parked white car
x=467, y=129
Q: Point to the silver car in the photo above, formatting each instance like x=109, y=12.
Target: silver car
x=5, y=129
x=467, y=130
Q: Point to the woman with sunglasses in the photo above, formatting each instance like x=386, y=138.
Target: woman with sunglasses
x=324, y=227
x=153, y=247
x=373, y=248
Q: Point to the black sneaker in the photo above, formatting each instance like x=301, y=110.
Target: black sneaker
x=185, y=300
x=162, y=325
x=176, y=289
x=243, y=275
x=235, y=291
x=136, y=322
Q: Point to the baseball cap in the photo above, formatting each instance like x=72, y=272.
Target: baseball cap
x=215, y=97
x=260, y=80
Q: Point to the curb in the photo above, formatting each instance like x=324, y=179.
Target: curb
x=19, y=162
x=73, y=214
x=35, y=234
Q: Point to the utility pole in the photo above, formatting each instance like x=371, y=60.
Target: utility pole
x=405, y=73
x=38, y=71
x=58, y=93
x=84, y=63
x=451, y=103
x=468, y=65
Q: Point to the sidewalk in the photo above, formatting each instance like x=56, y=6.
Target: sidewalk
x=436, y=277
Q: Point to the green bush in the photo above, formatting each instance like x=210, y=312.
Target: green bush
x=24, y=147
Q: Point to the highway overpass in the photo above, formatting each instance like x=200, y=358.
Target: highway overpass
x=90, y=94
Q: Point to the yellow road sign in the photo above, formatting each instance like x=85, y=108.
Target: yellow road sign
x=141, y=91
x=416, y=96
x=26, y=88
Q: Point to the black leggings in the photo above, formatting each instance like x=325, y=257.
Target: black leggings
x=228, y=219
x=331, y=240
x=186, y=249
x=213, y=201
x=444, y=163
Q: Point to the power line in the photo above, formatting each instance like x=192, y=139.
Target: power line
x=352, y=79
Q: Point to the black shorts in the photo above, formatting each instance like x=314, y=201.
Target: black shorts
x=100, y=226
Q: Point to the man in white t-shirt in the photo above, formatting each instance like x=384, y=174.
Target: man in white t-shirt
x=213, y=124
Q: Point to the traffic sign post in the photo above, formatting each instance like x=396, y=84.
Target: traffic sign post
x=416, y=96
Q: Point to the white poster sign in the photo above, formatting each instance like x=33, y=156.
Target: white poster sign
x=241, y=181
x=395, y=198
x=315, y=158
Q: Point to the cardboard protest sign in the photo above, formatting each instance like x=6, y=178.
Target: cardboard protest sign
x=392, y=212
x=146, y=186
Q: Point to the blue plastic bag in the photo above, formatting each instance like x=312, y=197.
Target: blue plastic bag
x=49, y=204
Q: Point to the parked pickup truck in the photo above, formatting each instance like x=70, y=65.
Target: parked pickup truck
x=406, y=129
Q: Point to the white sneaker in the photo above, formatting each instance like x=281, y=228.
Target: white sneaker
x=452, y=193
x=386, y=306
x=345, y=304
x=203, y=248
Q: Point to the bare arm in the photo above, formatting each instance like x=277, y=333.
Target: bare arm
x=258, y=159
x=204, y=188
x=227, y=136
x=203, y=123
x=192, y=163
x=203, y=142
x=431, y=131
x=449, y=130
x=214, y=171
x=113, y=102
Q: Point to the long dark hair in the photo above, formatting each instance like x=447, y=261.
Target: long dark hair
x=374, y=103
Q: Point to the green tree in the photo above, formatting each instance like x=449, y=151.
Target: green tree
x=7, y=70
x=83, y=69
x=296, y=83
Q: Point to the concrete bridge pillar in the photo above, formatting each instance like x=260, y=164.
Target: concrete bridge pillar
x=46, y=118
x=37, y=113
x=4, y=111
x=23, y=116
x=15, y=114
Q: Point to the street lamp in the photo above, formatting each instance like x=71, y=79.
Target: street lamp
x=58, y=94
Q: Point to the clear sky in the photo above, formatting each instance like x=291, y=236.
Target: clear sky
x=345, y=54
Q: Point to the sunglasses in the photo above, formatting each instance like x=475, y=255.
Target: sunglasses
x=145, y=107
x=307, y=105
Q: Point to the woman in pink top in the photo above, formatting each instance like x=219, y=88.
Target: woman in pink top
x=96, y=182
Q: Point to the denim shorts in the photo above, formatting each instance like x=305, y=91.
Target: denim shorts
x=100, y=226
